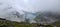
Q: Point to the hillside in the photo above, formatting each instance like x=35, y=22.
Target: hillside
x=6, y=23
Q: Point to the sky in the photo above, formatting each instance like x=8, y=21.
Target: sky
x=33, y=6
x=39, y=5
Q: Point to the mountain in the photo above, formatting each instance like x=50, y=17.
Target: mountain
x=47, y=18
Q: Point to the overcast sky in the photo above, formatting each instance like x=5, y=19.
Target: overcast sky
x=39, y=5
x=31, y=5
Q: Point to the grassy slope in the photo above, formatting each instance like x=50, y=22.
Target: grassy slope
x=15, y=24
x=21, y=24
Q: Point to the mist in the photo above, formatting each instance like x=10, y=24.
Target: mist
x=30, y=6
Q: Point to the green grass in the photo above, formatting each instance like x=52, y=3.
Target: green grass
x=22, y=24
x=15, y=24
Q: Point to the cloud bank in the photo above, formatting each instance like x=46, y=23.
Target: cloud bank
x=33, y=6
